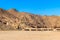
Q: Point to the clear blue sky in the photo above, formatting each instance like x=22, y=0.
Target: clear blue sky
x=40, y=7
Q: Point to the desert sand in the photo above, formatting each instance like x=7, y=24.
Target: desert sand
x=29, y=35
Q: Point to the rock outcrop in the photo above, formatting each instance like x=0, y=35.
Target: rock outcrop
x=14, y=20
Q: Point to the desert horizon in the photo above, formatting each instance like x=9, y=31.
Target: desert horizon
x=29, y=19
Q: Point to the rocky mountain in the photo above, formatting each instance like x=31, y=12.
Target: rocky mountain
x=14, y=20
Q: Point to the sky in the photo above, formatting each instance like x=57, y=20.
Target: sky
x=39, y=7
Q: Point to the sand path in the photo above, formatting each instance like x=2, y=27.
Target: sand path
x=23, y=35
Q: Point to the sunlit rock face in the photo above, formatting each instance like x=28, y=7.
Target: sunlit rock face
x=14, y=20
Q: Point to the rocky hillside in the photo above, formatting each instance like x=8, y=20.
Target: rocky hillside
x=14, y=20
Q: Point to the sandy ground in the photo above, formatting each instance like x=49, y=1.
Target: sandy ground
x=23, y=35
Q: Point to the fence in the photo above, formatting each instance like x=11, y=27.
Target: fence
x=42, y=29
